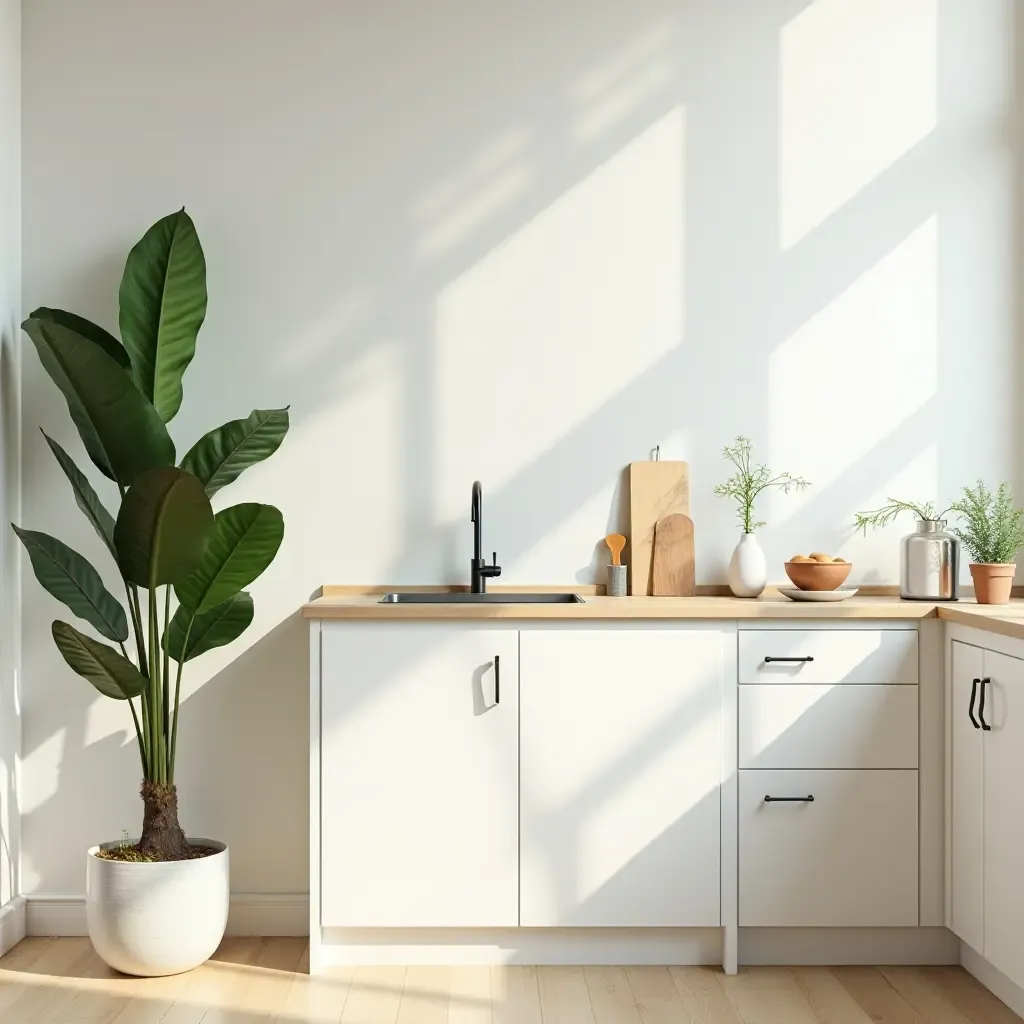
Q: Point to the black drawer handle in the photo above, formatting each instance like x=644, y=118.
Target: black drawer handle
x=768, y=659
x=497, y=679
x=974, y=697
x=981, y=706
x=789, y=799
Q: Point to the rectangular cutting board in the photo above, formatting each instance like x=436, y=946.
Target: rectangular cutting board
x=656, y=489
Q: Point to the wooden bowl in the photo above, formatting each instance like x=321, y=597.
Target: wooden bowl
x=818, y=575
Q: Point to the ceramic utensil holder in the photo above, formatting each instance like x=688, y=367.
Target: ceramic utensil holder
x=616, y=581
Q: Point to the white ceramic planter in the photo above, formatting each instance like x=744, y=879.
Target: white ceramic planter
x=748, y=570
x=161, y=918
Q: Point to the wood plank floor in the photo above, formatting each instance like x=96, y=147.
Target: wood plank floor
x=265, y=981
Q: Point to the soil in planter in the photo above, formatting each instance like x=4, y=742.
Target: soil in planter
x=162, y=839
x=130, y=852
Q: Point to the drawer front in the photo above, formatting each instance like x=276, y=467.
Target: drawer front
x=849, y=859
x=828, y=656
x=801, y=726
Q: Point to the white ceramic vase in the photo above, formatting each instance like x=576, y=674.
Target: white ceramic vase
x=159, y=918
x=748, y=570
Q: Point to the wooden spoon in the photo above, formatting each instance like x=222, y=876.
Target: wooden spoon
x=616, y=542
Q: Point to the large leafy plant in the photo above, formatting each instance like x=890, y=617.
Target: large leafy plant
x=992, y=527
x=184, y=569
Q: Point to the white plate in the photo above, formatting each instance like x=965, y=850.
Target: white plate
x=796, y=594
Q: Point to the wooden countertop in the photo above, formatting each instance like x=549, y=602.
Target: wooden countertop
x=364, y=603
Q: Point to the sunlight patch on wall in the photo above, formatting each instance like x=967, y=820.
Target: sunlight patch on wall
x=605, y=96
x=858, y=88
x=544, y=330
x=590, y=520
x=853, y=373
x=319, y=476
x=452, y=210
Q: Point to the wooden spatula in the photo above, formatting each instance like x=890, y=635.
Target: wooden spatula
x=673, y=574
x=616, y=542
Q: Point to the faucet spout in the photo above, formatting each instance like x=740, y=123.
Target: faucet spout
x=476, y=518
x=479, y=570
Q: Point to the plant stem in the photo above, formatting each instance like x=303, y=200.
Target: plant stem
x=138, y=730
x=155, y=702
x=167, y=672
x=177, y=699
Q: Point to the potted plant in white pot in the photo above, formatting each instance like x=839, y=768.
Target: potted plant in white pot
x=158, y=905
x=992, y=530
x=748, y=570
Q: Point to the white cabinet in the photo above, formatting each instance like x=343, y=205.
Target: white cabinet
x=828, y=848
x=621, y=755
x=1004, y=814
x=828, y=781
x=966, y=802
x=821, y=726
x=419, y=775
x=813, y=656
x=987, y=805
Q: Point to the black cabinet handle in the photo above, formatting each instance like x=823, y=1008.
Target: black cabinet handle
x=497, y=679
x=789, y=799
x=981, y=706
x=974, y=697
x=803, y=661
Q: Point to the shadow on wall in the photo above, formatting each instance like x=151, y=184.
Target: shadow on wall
x=521, y=243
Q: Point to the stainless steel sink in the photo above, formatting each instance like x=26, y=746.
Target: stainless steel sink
x=464, y=597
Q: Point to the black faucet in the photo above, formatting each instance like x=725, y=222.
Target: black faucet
x=479, y=570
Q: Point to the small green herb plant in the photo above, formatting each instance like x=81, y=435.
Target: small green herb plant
x=893, y=508
x=993, y=527
x=744, y=486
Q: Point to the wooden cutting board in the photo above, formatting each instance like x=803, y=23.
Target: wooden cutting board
x=656, y=490
x=673, y=572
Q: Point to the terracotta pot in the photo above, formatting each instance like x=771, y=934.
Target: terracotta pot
x=993, y=581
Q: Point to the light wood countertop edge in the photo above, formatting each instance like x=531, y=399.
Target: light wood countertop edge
x=363, y=603
x=1005, y=620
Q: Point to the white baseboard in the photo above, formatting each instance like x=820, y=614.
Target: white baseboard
x=822, y=947
x=12, y=923
x=784, y=946
x=993, y=979
x=249, y=914
x=627, y=946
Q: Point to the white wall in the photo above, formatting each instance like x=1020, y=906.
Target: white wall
x=523, y=243
x=10, y=425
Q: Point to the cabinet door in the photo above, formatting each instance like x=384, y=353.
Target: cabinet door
x=966, y=800
x=1004, y=815
x=828, y=849
x=621, y=763
x=419, y=775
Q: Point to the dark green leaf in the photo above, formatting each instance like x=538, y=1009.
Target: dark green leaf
x=66, y=575
x=111, y=673
x=163, y=527
x=163, y=304
x=88, y=500
x=215, y=628
x=121, y=430
x=87, y=329
x=223, y=454
x=244, y=542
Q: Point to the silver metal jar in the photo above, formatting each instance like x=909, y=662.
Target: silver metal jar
x=930, y=563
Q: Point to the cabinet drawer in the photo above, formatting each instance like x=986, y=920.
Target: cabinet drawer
x=849, y=859
x=828, y=656
x=823, y=726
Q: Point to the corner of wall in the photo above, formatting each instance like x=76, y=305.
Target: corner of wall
x=10, y=452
